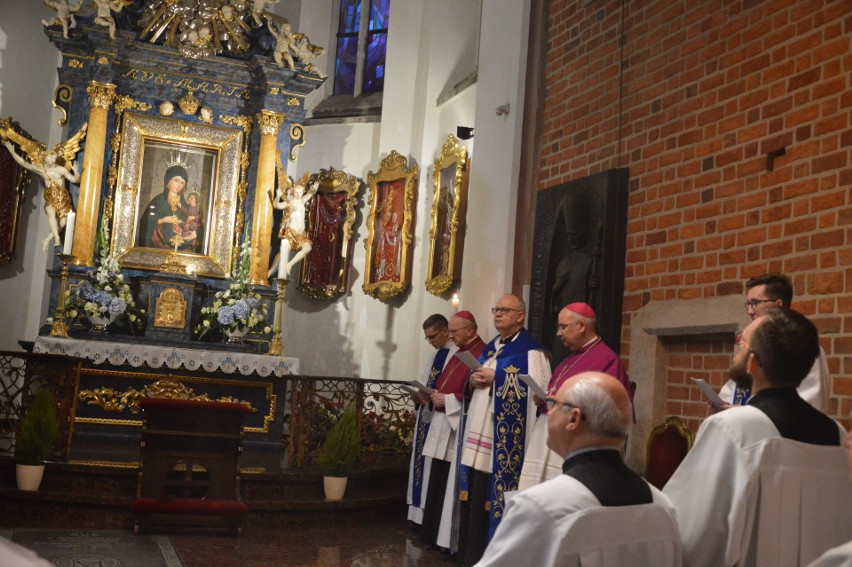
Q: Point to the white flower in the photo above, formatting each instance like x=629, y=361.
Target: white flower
x=207, y=322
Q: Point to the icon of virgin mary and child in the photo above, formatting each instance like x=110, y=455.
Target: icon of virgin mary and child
x=173, y=220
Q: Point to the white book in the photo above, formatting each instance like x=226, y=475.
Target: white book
x=468, y=359
x=533, y=385
x=709, y=392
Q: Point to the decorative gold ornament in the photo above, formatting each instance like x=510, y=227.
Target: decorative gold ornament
x=297, y=132
x=170, y=309
x=114, y=401
x=270, y=122
x=63, y=93
x=75, y=64
x=100, y=94
x=197, y=28
x=188, y=103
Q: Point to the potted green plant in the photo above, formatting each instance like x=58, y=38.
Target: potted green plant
x=35, y=440
x=338, y=454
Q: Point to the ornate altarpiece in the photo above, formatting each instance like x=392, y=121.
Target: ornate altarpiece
x=239, y=112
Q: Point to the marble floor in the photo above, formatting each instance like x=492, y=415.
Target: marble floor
x=382, y=542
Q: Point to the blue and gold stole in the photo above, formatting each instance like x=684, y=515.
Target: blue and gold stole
x=510, y=396
x=423, y=429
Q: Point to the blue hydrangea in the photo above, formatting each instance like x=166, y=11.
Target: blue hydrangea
x=226, y=315
x=241, y=309
x=117, y=306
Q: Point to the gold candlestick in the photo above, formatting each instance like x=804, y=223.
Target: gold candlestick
x=276, y=346
x=59, y=329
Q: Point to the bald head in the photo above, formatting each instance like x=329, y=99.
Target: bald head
x=509, y=314
x=593, y=411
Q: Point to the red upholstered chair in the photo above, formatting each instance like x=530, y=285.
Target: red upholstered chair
x=668, y=444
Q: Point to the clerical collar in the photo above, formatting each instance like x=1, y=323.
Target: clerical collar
x=507, y=340
x=573, y=454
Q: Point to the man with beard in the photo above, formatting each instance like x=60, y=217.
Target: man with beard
x=576, y=330
x=770, y=291
x=765, y=484
x=448, y=402
x=438, y=336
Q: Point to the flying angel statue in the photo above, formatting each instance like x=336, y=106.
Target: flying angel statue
x=54, y=166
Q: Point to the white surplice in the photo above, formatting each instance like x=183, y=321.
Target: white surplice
x=840, y=556
x=814, y=389
x=745, y=496
x=561, y=523
x=441, y=444
x=424, y=415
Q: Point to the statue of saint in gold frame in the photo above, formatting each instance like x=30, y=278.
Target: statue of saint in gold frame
x=449, y=204
x=390, y=227
x=325, y=272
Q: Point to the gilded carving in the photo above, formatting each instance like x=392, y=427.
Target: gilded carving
x=188, y=103
x=100, y=94
x=170, y=309
x=63, y=93
x=269, y=122
x=293, y=101
x=297, y=134
x=75, y=64
x=102, y=60
x=112, y=400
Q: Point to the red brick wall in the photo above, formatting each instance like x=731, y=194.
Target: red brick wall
x=707, y=92
x=705, y=356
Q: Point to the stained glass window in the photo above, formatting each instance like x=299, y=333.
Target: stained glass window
x=349, y=35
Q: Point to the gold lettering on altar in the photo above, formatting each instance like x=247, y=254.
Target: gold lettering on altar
x=170, y=309
x=208, y=87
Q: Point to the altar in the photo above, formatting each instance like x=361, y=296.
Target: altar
x=115, y=376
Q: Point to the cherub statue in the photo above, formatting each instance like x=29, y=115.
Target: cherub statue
x=283, y=35
x=65, y=10
x=54, y=167
x=104, y=17
x=292, y=233
x=304, y=51
x=257, y=8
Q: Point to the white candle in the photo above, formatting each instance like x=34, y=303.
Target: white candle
x=282, y=261
x=69, y=232
x=456, y=301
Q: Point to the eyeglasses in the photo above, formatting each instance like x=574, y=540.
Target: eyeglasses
x=754, y=303
x=503, y=310
x=562, y=327
x=552, y=402
x=432, y=337
x=741, y=342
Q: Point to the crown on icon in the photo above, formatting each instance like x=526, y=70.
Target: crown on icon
x=178, y=158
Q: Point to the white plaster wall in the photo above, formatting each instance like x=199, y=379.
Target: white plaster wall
x=28, y=78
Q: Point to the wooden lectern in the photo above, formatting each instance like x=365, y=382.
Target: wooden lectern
x=189, y=472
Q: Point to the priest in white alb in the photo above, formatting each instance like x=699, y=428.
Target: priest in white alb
x=766, y=483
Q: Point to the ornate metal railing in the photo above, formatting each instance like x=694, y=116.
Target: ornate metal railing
x=311, y=407
x=385, y=420
x=21, y=376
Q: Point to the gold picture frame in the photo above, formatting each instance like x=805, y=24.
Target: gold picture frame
x=210, y=156
x=14, y=181
x=449, y=206
x=324, y=273
x=390, y=227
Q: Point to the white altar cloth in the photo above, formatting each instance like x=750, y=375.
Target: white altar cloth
x=153, y=356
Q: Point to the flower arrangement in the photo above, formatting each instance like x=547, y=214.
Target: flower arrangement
x=236, y=310
x=103, y=295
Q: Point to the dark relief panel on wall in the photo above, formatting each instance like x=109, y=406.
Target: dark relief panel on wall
x=578, y=255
